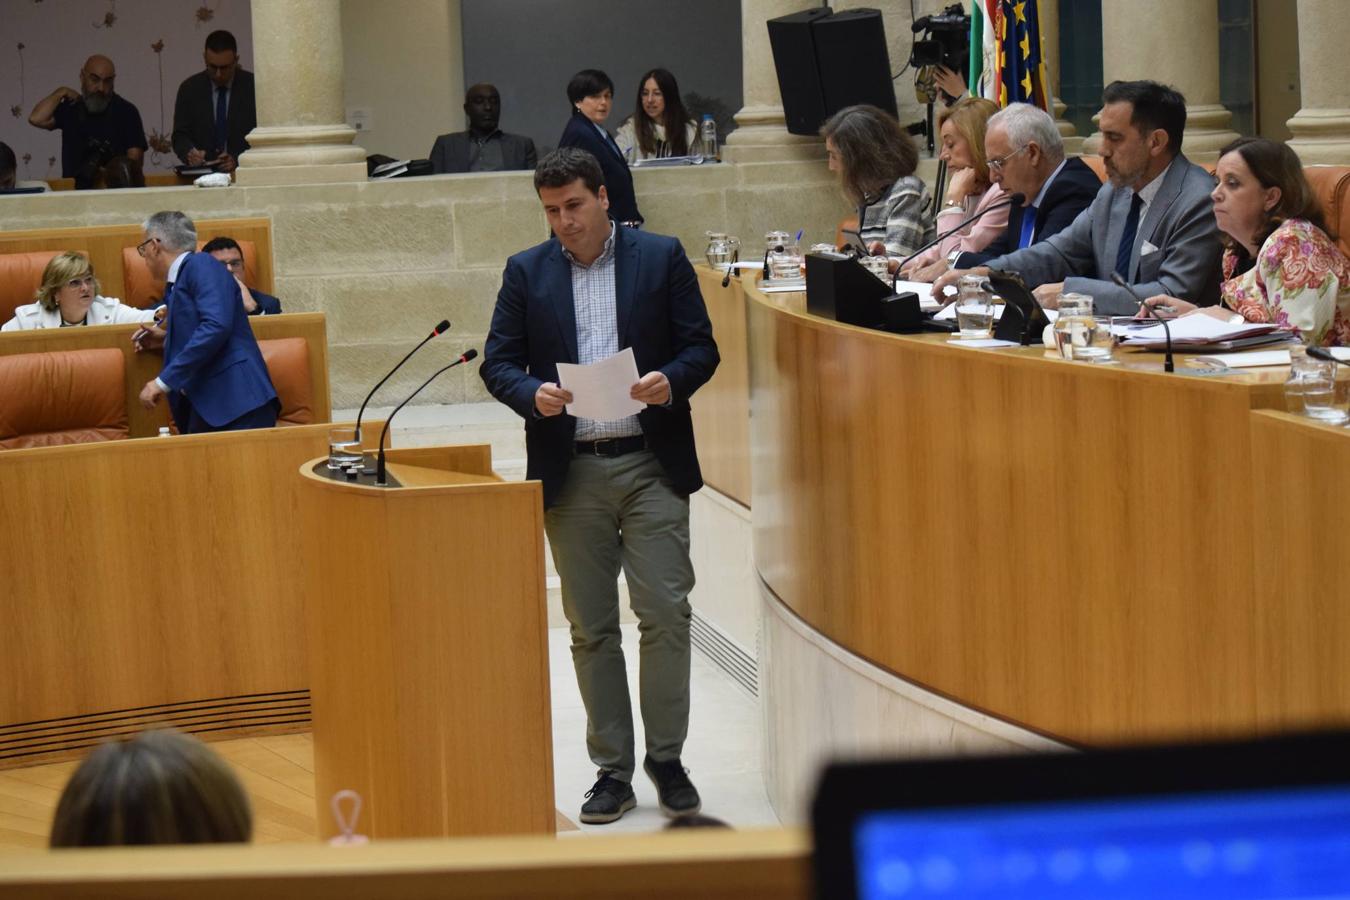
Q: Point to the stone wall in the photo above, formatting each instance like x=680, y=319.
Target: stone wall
x=387, y=260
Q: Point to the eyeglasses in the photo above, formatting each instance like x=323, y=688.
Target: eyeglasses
x=140, y=248
x=997, y=164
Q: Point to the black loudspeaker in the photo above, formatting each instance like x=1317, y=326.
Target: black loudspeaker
x=852, y=59
x=794, y=58
x=827, y=61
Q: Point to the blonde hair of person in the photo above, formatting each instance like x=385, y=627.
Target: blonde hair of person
x=63, y=268
x=161, y=787
x=970, y=118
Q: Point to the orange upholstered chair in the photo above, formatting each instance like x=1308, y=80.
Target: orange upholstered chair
x=68, y=397
x=1331, y=184
x=20, y=277
x=143, y=292
x=287, y=361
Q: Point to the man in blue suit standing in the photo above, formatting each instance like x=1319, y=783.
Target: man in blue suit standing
x=616, y=493
x=214, y=374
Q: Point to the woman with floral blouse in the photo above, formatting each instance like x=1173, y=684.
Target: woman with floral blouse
x=1279, y=265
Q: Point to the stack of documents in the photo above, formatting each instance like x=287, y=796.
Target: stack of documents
x=1197, y=329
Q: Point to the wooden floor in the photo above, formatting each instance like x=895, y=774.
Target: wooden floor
x=277, y=772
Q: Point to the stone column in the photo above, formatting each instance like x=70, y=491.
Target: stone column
x=1322, y=126
x=1175, y=42
x=302, y=136
x=1050, y=50
x=761, y=132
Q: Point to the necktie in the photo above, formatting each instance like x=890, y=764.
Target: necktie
x=1028, y=227
x=1127, y=239
x=222, y=110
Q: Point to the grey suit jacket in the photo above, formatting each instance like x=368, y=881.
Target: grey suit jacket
x=450, y=153
x=1179, y=223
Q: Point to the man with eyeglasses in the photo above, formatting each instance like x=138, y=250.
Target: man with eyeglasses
x=1152, y=224
x=216, y=108
x=228, y=251
x=214, y=377
x=96, y=123
x=1026, y=156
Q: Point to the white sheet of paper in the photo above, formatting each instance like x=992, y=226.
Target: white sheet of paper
x=980, y=343
x=600, y=390
x=1249, y=360
x=925, y=292
x=950, y=313
x=1342, y=354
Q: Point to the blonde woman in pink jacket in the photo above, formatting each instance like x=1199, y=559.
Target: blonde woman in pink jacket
x=969, y=190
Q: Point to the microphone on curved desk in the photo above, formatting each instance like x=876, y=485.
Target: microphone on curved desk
x=379, y=459
x=1167, y=332
x=443, y=327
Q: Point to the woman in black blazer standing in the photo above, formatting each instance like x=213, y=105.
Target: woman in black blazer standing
x=592, y=95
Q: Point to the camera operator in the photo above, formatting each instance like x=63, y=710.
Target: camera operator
x=943, y=54
x=96, y=124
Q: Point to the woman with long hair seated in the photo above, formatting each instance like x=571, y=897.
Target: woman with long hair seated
x=161, y=787
x=876, y=162
x=660, y=127
x=970, y=190
x=70, y=296
x=1279, y=265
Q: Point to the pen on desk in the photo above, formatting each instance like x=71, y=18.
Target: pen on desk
x=800, y=232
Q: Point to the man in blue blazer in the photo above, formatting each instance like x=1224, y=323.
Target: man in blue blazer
x=1152, y=223
x=214, y=374
x=616, y=493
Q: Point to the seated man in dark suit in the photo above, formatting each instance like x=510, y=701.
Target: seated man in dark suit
x=256, y=303
x=1026, y=156
x=1152, y=225
x=484, y=147
x=216, y=108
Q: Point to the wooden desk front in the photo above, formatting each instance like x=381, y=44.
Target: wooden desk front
x=1079, y=550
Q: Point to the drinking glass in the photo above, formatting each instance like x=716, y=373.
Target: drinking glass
x=878, y=266
x=786, y=264
x=974, y=307
x=344, y=450
x=1313, y=382
x=1093, y=342
x=1075, y=323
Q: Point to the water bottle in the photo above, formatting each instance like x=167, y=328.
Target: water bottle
x=708, y=131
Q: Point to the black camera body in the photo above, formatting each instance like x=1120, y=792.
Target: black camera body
x=96, y=154
x=946, y=40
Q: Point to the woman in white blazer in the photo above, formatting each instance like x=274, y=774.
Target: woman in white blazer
x=69, y=296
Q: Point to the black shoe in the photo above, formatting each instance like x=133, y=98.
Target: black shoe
x=607, y=801
x=676, y=792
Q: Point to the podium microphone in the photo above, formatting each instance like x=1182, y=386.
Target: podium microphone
x=1121, y=282
x=379, y=459
x=439, y=329
x=1010, y=200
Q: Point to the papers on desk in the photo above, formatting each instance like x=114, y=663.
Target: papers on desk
x=925, y=292
x=1342, y=354
x=600, y=390
x=1245, y=360
x=1193, y=329
x=742, y=266
x=950, y=313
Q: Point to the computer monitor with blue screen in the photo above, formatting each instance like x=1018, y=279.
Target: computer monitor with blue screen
x=1252, y=821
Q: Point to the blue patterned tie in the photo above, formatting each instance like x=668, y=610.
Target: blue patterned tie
x=1127, y=239
x=222, y=133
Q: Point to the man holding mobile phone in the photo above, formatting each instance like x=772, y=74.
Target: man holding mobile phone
x=216, y=108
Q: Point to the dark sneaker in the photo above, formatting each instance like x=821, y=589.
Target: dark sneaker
x=673, y=788
x=607, y=801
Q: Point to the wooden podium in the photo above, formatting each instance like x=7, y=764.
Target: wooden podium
x=428, y=647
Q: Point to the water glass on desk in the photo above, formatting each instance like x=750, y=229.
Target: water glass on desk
x=1075, y=323
x=974, y=307
x=1312, y=389
x=344, y=450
